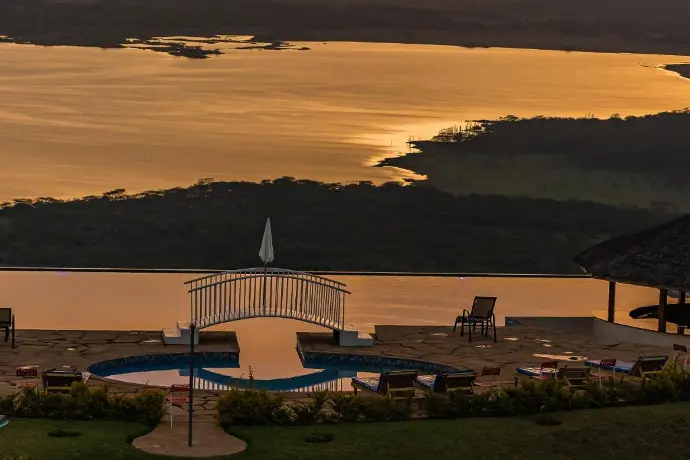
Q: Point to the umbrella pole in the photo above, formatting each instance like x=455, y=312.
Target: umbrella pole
x=264, y=288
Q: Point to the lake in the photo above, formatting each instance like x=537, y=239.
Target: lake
x=79, y=121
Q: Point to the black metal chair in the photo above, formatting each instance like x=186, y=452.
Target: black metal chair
x=482, y=314
x=7, y=322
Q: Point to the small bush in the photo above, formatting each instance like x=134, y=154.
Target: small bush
x=547, y=420
x=60, y=433
x=312, y=411
x=252, y=407
x=347, y=408
x=319, y=438
x=385, y=409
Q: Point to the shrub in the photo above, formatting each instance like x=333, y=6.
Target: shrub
x=385, y=409
x=60, y=433
x=252, y=407
x=347, y=408
x=312, y=411
x=86, y=403
x=318, y=438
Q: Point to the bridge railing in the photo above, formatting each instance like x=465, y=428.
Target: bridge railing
x=271, y=292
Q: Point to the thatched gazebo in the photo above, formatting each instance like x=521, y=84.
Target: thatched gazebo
x=658, y=257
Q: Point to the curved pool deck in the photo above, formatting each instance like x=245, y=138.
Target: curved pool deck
x=516, y=346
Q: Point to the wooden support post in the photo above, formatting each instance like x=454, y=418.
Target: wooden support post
x=612, y=301
x=663, y=301
x=681, y=298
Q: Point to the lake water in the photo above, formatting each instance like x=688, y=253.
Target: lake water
x=124, y=301
x=78, y=121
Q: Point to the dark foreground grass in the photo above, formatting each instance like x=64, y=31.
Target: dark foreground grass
x=28, y=439
x=649, y=433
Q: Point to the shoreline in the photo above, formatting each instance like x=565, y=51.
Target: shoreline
x=537, y=24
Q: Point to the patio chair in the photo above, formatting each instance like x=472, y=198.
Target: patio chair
x=178, y=396
x=600, y=374
x=60, y=380
x=461, y=382
x=493, y=380
x=547, y=370
x=27, y=378
x=575, y=377
x=678, y=351
x=645, y=367
x=7, y=322
x=482, y=314
x=397, y=384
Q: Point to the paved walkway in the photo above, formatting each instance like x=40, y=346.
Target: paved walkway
x=209, y=439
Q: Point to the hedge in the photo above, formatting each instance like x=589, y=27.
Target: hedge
x=257, y=407
x=86, y=403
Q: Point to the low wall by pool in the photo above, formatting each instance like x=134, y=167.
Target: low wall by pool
x=370, y=363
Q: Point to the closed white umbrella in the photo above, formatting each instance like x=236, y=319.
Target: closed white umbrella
x=266, y=251
x=266, y=254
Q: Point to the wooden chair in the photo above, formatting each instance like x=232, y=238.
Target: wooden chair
x=575, y=377
x=396, y=384
x=60, y=380
x=27, y=378
x=178, y=396
x=648, y=367
x=601, y=375
x=482, y=314
x=491, y=378
x=461, y=382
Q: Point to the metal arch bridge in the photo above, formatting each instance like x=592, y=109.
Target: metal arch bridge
x=267, y=293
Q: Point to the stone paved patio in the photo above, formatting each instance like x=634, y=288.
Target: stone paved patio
x=515, y=347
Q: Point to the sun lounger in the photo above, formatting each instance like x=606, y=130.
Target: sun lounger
x=462, y=382
x=547, y=370
x=59, y=380
x=482, y=314
x=645, y=367
x=394, y=383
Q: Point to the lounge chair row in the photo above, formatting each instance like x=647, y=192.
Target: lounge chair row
x=401, y=384
x=52, y=381
x=645, y=367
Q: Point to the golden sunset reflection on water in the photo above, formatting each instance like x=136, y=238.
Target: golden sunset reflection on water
x=79, y=121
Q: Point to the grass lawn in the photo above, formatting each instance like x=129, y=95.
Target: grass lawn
x=648, y=433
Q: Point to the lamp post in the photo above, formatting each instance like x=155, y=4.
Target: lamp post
x=192, y=330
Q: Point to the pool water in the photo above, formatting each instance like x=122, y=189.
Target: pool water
x=211, y=373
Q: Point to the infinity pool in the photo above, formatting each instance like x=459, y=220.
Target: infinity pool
x=222, y=370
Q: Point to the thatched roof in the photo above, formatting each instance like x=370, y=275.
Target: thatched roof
x=657, y=257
